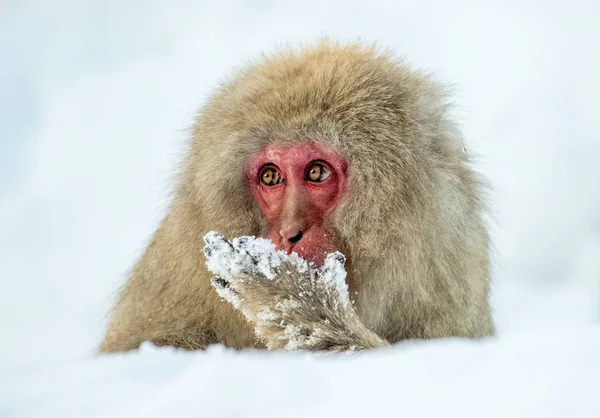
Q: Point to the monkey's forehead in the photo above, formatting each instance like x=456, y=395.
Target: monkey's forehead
x=349, y=84
x=341, y=94
x=301, y=150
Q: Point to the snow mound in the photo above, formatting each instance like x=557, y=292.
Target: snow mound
x=545, y=374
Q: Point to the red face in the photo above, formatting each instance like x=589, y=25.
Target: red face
x=297, y=187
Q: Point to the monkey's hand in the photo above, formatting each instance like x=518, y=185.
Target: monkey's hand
x=292, y=305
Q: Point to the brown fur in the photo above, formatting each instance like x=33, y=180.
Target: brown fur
x=410, y=223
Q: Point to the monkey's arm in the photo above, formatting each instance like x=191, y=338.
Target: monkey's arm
x=291, y=305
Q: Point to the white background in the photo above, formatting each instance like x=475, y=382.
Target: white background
x=96, y=99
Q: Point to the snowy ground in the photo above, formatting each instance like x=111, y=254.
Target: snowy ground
x=95, y=102
x=541, y=376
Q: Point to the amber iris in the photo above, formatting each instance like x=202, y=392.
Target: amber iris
x=269, y=176
x=317, y=173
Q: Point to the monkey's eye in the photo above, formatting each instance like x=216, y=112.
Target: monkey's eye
x=317, y=173
x=269, y=176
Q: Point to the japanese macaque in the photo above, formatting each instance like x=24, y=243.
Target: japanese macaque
x=329, y=150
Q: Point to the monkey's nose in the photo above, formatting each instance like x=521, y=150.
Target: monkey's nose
x=290, y=237
x=296, y=237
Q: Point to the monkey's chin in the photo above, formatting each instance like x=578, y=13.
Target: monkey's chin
x=314, y=255
x=314, y=247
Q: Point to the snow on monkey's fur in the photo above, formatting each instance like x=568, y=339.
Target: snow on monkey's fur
x=257, y=258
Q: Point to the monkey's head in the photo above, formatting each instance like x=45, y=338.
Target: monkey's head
x=333, y=147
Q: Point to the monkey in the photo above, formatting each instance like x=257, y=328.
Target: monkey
x=329, y=148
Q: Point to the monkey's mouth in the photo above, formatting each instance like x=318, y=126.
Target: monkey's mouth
x=313, y=253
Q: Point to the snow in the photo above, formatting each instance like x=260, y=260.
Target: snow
x=255, y=256
x=333, y=274
x=96, y=103
x=249, y=255
x=546, y=375
x=249, y=263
